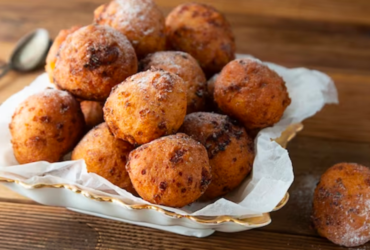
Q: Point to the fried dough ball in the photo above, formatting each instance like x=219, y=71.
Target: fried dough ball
x=92, y=60
x=341, y=204
x=230, y=150
x=53, y=51
x=172, y=171
x=185, y=66
x=140, y=20
x=106, y=156
x=204, y=33
x=46, y=126
x=93, y=113
x=146, y=106
x=251, y=92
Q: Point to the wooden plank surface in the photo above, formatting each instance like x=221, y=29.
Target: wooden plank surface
x=328, y=35
x=58, y=225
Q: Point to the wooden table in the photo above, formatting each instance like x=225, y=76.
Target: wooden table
x=329, y=35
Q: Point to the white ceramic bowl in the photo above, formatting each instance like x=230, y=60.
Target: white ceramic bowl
x=82, y=201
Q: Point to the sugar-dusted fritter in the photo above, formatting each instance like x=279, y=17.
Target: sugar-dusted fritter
x=140, y=20
x=341, y=204
x=251, y=92
x=93, y=113
x=172, y=171
x=204, y=33
x=92, y=60
x=185, y=66
x=230, y=150
x=146, y=106
x=105, y=155
x=54, y=49
x=46, y=126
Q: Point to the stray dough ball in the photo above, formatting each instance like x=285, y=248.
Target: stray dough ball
x=46, y=126
x=172, y=171
x=146, y=106
x=93, y=113
x=185, y=66
x=54, y=49
x=92, y=61
x=204, y=33
x=341, y=205
x=230, y=150
x=140, y=21
x=252, y=93
x=106, y=156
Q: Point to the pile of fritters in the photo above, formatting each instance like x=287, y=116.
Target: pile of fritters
x=136, y=82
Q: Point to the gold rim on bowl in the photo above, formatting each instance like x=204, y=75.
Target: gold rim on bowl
x=283, y=140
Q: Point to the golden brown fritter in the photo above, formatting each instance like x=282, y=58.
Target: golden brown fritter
x=185, y=66
x=106, y=156
x=172, y=171
x=93, y=113
x=204, y=33
x=54, y=49
x=341, y=205
x=140, y=21
x=146, y=106
x=251, y=92
x=46, y=126
x=230, y=150
x=92, y=60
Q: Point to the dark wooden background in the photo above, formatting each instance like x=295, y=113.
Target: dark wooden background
x=332, y=36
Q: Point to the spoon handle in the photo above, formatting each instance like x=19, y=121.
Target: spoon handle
x=4, y=69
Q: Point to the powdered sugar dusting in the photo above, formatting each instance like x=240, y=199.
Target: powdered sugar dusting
x=149, y=31
x=49, y=92
x=358, y=236
x=353, y=236
x=129, y=11
x=102, y=35
x=342, y=204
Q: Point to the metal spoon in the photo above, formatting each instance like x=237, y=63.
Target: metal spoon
x=29, y=53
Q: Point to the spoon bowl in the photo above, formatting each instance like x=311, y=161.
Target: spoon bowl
x=29, y=53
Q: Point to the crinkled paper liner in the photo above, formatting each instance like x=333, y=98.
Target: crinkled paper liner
x=260, y=193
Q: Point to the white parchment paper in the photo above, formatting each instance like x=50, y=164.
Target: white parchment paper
x=272, y=172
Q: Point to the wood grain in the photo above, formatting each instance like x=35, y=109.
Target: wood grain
x=350, y=120
x=63, y=229
x=272, y=35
